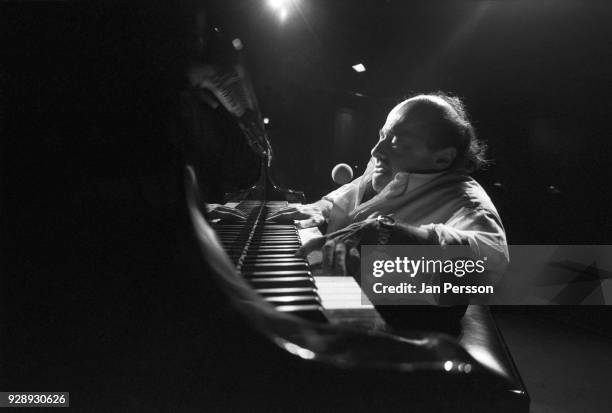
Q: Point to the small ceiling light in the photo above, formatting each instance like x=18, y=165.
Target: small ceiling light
x=359, y=68
x=266, y=121
x=237, y=43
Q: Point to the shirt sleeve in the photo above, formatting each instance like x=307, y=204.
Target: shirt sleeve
x=339, y=193
x=324, y=206
x=479, y=228
x=336, y=205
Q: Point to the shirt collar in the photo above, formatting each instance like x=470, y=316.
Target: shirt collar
x=404, y=182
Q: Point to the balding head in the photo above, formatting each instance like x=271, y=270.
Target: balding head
x=446, y=120
x=426, y=133
x=430, y=108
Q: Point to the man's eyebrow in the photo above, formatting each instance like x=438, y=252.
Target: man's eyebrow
x=385, y=131
x=397, y=130
x=403, y=129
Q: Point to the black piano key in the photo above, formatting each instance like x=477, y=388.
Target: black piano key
x=274, y=258
x=277, y=273
x=297, y=307
x=281, y=291
x=270, y=256
x=267, y=227
x=294, y=300
x=269, y=250
x=313, y=313
x=305, y=298
x=297, y=266
x=287, y=282
x=274, y=243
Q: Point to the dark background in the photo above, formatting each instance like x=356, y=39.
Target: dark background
x=99, y=285
x=535, y=76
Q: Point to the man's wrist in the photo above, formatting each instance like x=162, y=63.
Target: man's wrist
x=408, y=234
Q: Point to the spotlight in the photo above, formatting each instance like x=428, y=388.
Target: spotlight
x=282, y=7
x=266, y=121
x=359, y=68
x=277, y=4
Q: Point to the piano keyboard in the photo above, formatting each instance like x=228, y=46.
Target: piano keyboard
x=264, y=254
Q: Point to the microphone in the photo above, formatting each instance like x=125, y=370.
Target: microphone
x=342, y=174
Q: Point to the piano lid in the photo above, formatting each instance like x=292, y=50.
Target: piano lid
x=222, y=92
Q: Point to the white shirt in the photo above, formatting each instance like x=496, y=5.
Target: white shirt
x=452, y=206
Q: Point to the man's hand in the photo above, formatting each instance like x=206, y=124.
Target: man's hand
x=303, y=216
x=340, y=249
x=217, y=211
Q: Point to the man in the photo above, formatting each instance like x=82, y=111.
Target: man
x=415, y=190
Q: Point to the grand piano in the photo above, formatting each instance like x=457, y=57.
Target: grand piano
x=299, y=340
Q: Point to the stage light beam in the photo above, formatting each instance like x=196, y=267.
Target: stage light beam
x=282, y=14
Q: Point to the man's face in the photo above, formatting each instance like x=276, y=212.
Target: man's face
x=405, y=143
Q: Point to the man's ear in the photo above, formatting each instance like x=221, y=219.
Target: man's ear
x=444, y=158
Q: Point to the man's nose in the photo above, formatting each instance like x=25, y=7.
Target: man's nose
x=379, y=150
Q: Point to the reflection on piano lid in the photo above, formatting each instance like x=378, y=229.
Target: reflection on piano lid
x=230, y=84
